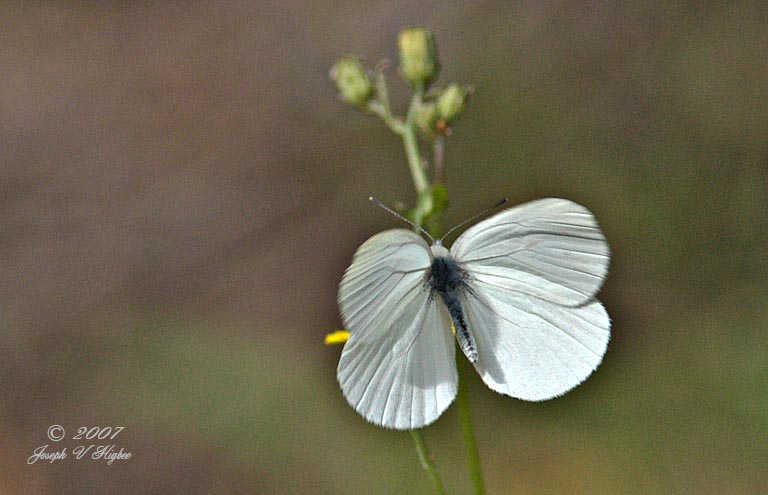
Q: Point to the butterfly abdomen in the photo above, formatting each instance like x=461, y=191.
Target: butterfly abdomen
x=448, y=279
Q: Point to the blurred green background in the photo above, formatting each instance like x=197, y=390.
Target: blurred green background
x=180, y=192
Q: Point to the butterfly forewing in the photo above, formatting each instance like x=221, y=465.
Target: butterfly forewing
x=551, y=249
x=397, y=368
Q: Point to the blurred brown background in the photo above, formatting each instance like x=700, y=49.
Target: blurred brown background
x=180, y=192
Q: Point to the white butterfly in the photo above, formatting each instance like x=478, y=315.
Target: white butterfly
x=519, y=288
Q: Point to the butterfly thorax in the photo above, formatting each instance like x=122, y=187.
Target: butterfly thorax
x=445, y=275
x=448, y=279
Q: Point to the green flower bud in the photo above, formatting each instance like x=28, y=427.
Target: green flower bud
x=450, y=103
x=418, y=57
x=425, y=118
x=352, y=80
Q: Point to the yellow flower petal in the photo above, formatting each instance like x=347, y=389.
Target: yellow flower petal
x=337, y=337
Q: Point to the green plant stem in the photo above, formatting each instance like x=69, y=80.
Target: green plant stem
x=412, y=147
x=465, y=418
x=426, y=461
x=382, y=111
x=407, y=132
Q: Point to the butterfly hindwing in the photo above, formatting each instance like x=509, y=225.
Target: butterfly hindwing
x=533, y=349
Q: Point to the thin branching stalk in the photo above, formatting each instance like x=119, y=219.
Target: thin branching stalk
x=412, y=147
x=467, y=431
x=438, y=159
x=426, y=461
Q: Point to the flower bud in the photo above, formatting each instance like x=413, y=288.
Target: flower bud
x=418, y=58
x=450, y=103
x=425, y=118
x=352, y=80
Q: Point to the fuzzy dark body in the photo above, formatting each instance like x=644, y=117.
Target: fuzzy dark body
x=447, y=279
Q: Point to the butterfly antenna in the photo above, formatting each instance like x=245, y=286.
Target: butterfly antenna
x=498, y=203
x=390, y=210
